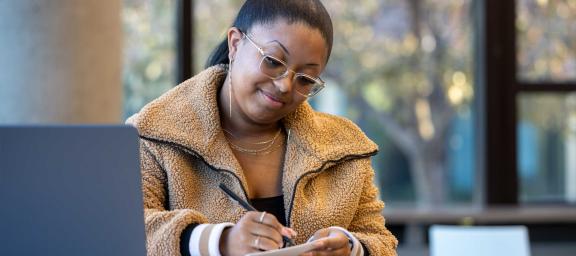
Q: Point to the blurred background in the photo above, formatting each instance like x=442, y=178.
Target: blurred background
x=471, y=102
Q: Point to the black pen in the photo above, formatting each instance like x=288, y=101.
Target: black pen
x=287, y=241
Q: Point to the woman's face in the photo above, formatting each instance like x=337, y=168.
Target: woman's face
x=255, y=96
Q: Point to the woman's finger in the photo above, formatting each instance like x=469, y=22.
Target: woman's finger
x=320, y=234
x=332, y=245
x=288, y=232
x=332, y=252
x=266, y=219
x=337, y=240
x=265, y=231
x=265, y=244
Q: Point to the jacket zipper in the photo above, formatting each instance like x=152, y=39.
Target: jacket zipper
x=195, y=154
x=319, y=170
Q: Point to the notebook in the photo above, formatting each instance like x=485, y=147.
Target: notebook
x=288, y=251
x=70, y=190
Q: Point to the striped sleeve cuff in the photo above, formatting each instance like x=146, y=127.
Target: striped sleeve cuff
x=205, y=239
x=357, y=248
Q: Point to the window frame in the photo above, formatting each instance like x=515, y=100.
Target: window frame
x=501, y=89
x=184, y=40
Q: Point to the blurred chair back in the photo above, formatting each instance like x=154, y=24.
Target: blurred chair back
x=479, y=241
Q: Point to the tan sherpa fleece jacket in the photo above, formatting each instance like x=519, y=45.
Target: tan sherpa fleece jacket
x=327, y=177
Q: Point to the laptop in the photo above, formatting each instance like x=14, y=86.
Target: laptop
x=70, y=190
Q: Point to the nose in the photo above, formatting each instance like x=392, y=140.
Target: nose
x=285, y=82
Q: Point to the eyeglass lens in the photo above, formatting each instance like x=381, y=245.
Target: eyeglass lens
x=275, y=69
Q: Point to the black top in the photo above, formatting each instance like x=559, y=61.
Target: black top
x=272, y=205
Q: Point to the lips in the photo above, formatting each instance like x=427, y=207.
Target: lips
x=273, y=100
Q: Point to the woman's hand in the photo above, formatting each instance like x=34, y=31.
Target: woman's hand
x=256, y=231
x=330, y=242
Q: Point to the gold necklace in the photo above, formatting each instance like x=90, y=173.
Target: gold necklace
x=253, y=152
x=267, y=149
x=255, y=143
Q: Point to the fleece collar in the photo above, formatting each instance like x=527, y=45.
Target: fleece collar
x=188, y=117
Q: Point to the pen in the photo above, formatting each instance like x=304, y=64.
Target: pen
x=247, y=206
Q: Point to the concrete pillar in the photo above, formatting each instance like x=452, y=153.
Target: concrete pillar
x=60, y=61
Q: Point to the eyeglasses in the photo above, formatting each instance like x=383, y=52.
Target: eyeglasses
x=274, y=68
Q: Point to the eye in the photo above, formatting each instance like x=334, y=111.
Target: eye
x=305, y=80
x=272, y=62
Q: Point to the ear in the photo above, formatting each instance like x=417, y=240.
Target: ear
x=234, y=38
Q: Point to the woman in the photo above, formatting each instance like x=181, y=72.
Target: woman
x=244, y=122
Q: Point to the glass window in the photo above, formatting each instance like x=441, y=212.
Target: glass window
x=402, y=70
x=546, y=40
x=149, y=51
x=546, y=147
x=211, y=22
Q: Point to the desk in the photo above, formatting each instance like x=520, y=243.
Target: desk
x=416, y=221
x=557, y=249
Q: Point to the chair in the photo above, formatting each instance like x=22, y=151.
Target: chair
x=479, y=241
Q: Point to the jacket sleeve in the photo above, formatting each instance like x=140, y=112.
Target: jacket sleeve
x=163, y=227
x=368, y=222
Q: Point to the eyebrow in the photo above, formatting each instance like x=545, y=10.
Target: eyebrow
x=281, y=45
x=287, y=52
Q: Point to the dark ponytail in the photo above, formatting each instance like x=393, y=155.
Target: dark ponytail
x=219, y=55
x=309, y=12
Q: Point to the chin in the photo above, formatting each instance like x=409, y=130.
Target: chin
x=267, y=118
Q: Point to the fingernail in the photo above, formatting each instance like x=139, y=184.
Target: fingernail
x=286, y=234
x=289, y=232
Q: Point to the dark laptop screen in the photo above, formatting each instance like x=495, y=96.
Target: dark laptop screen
x=72, y=190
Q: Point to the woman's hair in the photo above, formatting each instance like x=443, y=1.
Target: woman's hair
x=262, y=12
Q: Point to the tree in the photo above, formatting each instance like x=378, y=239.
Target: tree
x=408, y=64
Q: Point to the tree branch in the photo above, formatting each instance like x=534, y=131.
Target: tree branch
x=406, y=141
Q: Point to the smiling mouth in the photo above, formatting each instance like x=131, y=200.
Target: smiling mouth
x=275, y=101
